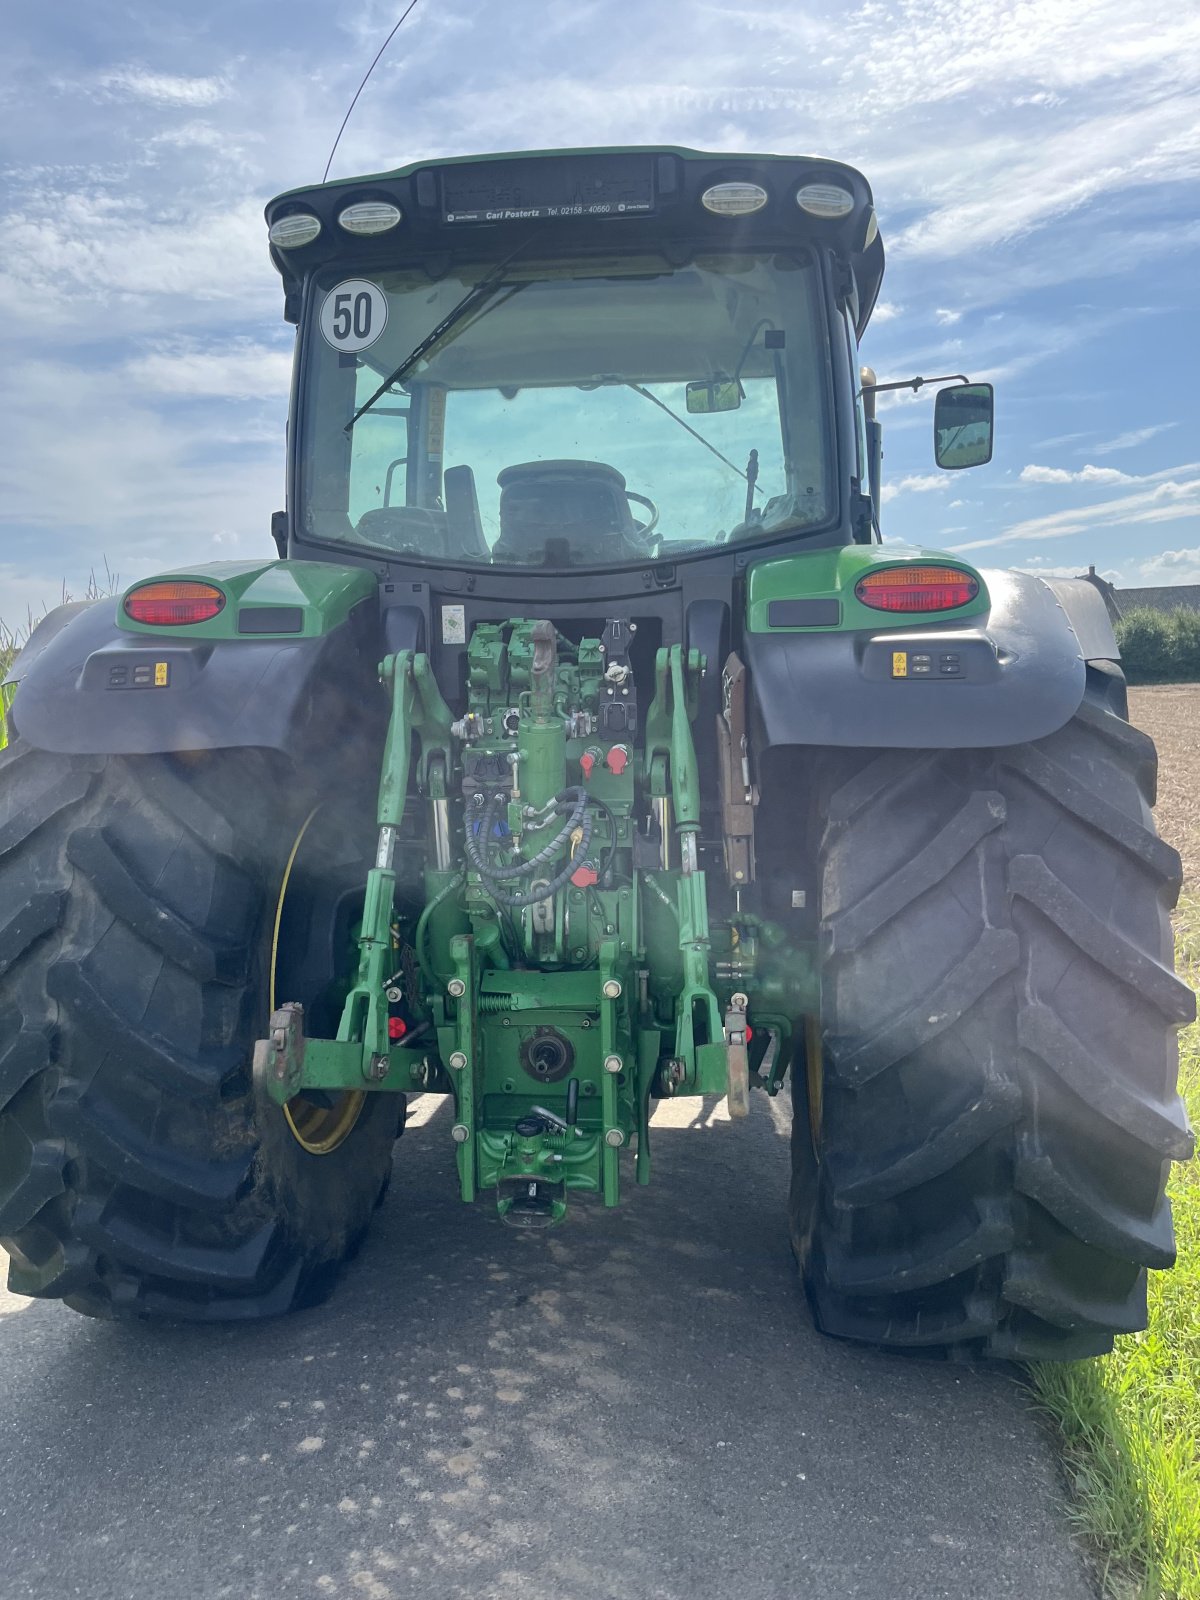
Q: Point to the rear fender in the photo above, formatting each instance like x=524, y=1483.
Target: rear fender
x=1021, y=669
x=89, y=683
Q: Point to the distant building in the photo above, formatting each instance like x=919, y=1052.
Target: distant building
x=1167, y=597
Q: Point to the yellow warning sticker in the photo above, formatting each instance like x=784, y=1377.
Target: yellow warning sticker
x=162, y=674
x=899, y=663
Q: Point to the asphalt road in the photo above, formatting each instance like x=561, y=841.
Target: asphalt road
x=632, y=1407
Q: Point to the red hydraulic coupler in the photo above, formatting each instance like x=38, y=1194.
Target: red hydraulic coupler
x=588, y=760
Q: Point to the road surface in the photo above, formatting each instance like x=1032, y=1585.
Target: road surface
x=632, y=1407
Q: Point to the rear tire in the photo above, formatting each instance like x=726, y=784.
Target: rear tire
x=999, y=1032
x=139, y=1173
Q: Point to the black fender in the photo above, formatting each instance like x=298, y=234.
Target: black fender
x=1017, y=674
x=88, y=687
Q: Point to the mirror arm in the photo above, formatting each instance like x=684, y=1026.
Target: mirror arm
x=915, y=383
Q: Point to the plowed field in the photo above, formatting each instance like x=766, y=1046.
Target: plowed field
x=1170, y=714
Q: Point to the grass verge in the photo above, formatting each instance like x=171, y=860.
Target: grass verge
x=8, y=649
x=1130, y=1423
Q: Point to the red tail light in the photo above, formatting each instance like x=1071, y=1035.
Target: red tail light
x=916, y=588
x=169, y=605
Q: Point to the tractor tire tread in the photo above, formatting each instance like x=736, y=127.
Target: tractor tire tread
x=135, y=1179
x=995, y=1152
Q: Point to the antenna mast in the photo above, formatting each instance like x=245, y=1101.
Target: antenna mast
x=411, y=5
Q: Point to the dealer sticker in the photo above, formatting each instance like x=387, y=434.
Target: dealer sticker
x=454, y=624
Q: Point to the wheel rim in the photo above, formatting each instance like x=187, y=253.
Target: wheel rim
x=319, y=1127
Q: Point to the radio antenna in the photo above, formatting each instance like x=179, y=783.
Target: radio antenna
x=410, y=7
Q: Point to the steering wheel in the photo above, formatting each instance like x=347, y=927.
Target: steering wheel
x=644, y=528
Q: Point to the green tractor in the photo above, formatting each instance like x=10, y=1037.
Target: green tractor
x=586, y=747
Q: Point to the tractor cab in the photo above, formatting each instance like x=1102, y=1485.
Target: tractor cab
x=592, y=359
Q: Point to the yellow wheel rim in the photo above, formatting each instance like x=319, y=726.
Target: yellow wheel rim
x=814, y=1062
x=319, y=1129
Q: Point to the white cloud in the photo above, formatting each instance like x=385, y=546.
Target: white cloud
x=1023, y=185
x=241, y=370
x=68, y=252
x=228, y=146
x=1063, y=438
x=1135, y=436
x=1116, y=86
x=1169, y=501
x=1097, y=475
x=1172, y=566
x=917, y=483
x=120, y=476
x=163, y=88
x=947, y=318
x=886, y=311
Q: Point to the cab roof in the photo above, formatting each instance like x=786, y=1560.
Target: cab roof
x=634, y=198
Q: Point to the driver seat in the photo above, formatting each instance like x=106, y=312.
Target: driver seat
x=580, y=505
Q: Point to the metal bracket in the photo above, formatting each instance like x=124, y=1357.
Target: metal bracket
x=737, y=1055
x=278, y=1065
x=464, y=1060
x=738, y=793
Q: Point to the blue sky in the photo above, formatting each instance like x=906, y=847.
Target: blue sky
x=1036, y=170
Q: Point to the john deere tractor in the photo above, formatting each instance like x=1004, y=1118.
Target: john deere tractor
x=585, y=747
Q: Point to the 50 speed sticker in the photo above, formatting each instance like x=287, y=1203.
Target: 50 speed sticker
x=353, y=315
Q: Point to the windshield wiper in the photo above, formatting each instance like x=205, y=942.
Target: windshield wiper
x=485, y=290
x=751, y=486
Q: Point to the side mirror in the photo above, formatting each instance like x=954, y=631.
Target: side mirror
x=962, y=425
x=706, y=397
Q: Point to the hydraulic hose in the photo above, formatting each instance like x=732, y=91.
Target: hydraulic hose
x=614, y=834
x=532, y=896
x=573, y=803
x=422, y=930
x=577, y=818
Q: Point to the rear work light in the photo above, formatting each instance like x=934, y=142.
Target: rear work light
x=169, y=605
x=734, y=199
x=825, y=200
x=297, y=228
x=369, y=216
x=916, y=589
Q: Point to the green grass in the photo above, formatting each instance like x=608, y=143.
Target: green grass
x=8, y=649
x=1130, y=1423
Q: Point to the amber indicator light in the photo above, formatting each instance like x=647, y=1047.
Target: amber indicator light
x=170, y=605
x=916, y=588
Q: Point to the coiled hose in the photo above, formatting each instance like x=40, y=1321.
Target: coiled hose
x=573, y=803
